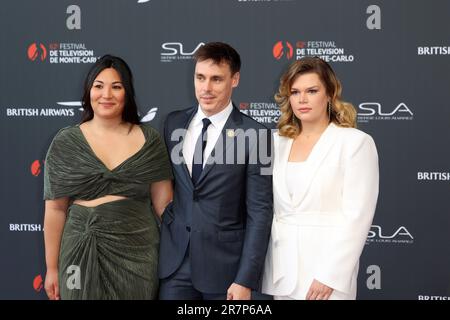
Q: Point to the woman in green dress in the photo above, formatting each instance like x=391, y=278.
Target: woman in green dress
x=106, y=182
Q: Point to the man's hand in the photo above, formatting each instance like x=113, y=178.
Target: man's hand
x=238, y=292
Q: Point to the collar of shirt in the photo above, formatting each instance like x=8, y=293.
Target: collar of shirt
x=217, y=120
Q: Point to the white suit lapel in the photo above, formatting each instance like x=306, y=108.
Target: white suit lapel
x=314, y=161
x=281, y=160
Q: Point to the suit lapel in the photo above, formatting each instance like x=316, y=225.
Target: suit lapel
x=281, y=160
x=230, y=133
x=184, y=123
x=314, y=161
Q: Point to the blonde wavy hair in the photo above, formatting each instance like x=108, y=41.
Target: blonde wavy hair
x=341, y=113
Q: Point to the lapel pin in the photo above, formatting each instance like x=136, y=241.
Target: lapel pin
x=230, y=133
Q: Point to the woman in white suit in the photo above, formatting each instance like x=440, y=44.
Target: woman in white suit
x=325, y=184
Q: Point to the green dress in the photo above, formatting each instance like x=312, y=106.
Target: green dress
x=109, y=251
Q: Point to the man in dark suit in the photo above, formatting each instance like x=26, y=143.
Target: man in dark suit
x=214, y=235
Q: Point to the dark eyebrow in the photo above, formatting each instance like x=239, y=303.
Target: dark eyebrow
x=115, y=82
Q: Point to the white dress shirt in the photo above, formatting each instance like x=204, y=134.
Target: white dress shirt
x=195, y=128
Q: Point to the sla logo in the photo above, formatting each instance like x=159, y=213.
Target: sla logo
x=150, y=115
x=176, y=51
x=38, y=283
x=34, y=51
x=36, y=168
x=177, y=48
x=401, y=235
x=279, y=50
x=368, y=111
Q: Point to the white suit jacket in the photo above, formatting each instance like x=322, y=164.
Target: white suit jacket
x=320, y=232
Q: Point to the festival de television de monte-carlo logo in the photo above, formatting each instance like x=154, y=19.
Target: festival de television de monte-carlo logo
x=327, y=50
x=61, y=52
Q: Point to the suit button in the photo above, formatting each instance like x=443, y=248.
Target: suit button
x=195, y=197
x=188, y=229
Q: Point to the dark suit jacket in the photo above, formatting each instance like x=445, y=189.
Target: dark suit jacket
x=227, y=216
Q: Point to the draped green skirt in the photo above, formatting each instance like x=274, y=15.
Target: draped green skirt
x=109, y=252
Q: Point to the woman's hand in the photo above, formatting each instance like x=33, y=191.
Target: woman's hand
x=51, y=284
x=318, y=291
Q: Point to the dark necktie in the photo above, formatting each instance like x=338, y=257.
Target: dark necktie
x=197, y=162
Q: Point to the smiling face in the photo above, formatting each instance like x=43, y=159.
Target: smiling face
x=214, y=84
x=309, y=99
x=107, y=95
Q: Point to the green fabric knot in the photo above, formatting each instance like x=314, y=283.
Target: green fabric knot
x=108, y=175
